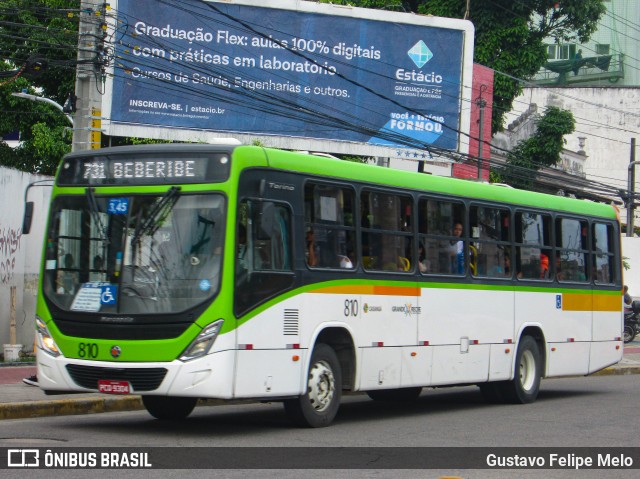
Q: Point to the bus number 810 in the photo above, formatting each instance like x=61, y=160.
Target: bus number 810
x=351, y=307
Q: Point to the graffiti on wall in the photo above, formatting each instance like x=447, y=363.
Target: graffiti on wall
x=9, y=247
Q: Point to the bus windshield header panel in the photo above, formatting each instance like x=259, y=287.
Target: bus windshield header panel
x=144, y=169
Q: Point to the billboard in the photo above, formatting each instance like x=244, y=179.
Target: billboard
x=295, y=74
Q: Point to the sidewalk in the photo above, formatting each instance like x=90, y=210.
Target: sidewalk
x=18, y=400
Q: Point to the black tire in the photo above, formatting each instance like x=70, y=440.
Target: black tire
x=169, y=408
x=525, y=385
x=398, y=395
x=629, y=332
x=318, y=406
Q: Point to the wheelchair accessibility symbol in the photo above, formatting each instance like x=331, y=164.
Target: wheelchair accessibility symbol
x=108, y=294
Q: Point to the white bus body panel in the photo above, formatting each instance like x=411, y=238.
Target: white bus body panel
x=439, y=336
x=210, y=376
x=460, y=325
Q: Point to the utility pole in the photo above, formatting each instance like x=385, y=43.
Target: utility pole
x=88, y=75
x=631, y=182
x=482, y=103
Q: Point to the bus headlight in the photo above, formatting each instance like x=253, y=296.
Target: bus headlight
x=45, y=341
x=202, y=344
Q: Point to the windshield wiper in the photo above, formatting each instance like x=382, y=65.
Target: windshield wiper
x=195, y=248
x=95, y=214
x=157, y=215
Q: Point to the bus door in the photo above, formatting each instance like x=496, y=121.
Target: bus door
x=267, y=326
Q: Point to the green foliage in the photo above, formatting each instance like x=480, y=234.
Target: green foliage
x=357, y=159
x=396, y=5
x=495, y=177
x=47, y=142
x=542, y=149
x=46, y=30
x=509, y=36
x=146, y=141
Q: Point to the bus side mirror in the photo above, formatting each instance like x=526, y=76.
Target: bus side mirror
x=27, y=218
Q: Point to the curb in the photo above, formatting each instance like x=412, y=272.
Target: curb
x=618, y=371
x=68, y=407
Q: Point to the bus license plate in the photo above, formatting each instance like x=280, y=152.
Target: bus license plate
x=109, y=386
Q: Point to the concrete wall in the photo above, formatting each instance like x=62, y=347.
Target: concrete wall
x=20, y=254
x=631, y=253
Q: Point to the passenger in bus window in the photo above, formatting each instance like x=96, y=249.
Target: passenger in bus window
x=544, y=266
x=310, y=252
x=559, y=273
x=423, y=262
x=345, y=262
x=97, y=273
x=457, y=250
x=507, y=267
x=67, y=280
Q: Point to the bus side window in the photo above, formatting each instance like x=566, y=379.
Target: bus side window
x=490, y=229
x=533, y=246
x=604, y=265
x=570, y=244
x=329, y=239
x=387, y=239
x=436, y=224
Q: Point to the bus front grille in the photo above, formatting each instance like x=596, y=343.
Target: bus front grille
x=141, y=379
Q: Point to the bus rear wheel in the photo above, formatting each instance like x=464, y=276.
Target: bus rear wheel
x=318, y=406
x=169, y=408
x=525, y=385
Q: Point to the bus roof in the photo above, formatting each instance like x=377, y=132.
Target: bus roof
x=351, y=171
x=333, y=168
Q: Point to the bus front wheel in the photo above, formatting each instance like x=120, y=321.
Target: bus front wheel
x=318, y=406
x=525, y=385
x=169, y=408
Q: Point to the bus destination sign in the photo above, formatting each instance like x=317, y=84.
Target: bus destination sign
x=143, y=170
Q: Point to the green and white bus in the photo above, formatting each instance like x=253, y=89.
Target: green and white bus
x=179, y=272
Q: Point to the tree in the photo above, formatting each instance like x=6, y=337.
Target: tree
x=509, y=36
x=38, y=48
x=542, y=149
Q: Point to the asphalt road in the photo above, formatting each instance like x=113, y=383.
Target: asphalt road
x=593, y=412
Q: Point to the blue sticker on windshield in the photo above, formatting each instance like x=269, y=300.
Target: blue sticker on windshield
x=108, y=294
x=118, y=206
x=205, y=285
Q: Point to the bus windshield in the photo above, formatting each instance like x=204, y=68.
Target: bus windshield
x=140, y=254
